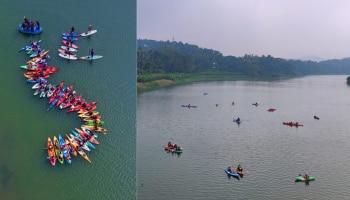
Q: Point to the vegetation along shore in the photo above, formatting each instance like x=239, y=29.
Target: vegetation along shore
x=167, y=63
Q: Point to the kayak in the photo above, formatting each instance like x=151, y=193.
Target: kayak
x=70, y=38
x=85, y=144
x=35, y=31
x=67, y=56
x=65, y=150
x=70, y=45
x=84, y=115
x=188, y=106
x=71, y=148
x=255, y=104
x=51, y=152
x=90, y=58
x=97, y=129
x=92, y=123
x=87, y=136
x=88, y=33
x=301, y=178
x=69, y=34
x=62, y=51
x=69, y=49
x=292, y=124
x=231, y=173
x=58, y=150
x=78, y=149
x=29, y=45
x=271, y=109
x=38, y=58
x=237, y=121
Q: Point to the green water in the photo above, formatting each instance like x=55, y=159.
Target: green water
x=25, y=173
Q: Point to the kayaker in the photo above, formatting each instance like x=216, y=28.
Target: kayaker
x=306, y=176
x=239, y=168
x=92, y=53
x=37, y=25
x=229, y=168
x=170, y=144
x=238, y=119
x=175, y=146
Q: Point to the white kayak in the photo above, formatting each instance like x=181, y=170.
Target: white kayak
x=88, y=33
x=67, y=56
x=90, y=58
x=69, y=49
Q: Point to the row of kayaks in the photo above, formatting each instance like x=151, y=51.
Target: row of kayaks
x=64, y=97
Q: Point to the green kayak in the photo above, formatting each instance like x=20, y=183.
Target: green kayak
x=91, y=123
x=301, y=178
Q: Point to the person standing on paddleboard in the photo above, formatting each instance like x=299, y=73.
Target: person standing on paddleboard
x=92, y=53
x=90, y=28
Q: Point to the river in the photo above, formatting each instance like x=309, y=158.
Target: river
x=272, y=153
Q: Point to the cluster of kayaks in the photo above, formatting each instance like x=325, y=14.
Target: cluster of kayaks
x=69, y=50
x=63, y=149
x=173, y=148
x=64, y=97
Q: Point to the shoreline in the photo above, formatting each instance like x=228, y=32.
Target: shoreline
x=160, y=83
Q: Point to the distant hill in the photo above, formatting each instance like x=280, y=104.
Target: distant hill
x=170, y=56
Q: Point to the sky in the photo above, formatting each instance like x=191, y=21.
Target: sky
x=292, y=29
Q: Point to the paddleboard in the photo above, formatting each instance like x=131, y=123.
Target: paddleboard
x=70, y=45
x=64, y=52
x=88, y=33
x=90, y=58
x=66, y=56
x=69, y=49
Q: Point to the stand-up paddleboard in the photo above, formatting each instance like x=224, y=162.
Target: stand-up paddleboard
x=67, y=56
x=70, y=45
x=69, y=49
x=62, y=51
x=88, y=33
x=90, y=58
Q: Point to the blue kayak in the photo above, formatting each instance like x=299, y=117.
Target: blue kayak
x=35, y=31
x=65, y=150
x=231, y=173
x=69, y=38
x=188, y=106
x=69, y=34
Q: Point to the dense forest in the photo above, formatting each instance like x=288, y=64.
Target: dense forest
x=177, y=57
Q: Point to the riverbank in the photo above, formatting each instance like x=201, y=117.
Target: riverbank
x=158, y=81
x=161, y=81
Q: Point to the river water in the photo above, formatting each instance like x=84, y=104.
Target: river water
x=25, y=173
x=272, y=153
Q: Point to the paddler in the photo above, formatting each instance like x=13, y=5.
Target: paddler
x=92, y=53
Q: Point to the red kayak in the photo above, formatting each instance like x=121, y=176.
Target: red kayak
x=292, y=124
x=271, y=109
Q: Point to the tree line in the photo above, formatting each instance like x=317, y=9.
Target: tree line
x=177, y=57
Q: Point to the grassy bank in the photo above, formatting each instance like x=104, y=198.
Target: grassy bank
x=151, y=82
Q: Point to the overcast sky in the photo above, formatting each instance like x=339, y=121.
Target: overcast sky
x=280, y=28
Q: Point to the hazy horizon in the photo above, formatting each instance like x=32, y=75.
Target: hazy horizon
x=297, y=29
